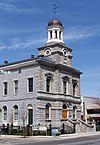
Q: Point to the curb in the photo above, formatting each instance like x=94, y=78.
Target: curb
x=75, y=135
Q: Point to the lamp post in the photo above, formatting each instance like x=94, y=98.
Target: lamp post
x=38, y=128
x=46, y=128
x=63, y=128
x=50, y=125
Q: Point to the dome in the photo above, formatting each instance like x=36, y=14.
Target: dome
x=54, y=22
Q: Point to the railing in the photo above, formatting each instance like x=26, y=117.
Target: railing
x=70, y=123
x=85, y=127
x=67, y=126
x=79, y=126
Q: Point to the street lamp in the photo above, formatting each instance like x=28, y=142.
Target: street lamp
x=50, y=125
x=46, y=128
x=38, y=128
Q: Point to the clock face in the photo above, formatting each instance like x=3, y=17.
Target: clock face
x=65, y=53
x=47, y=52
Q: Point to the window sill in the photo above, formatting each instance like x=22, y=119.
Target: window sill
x=64, y=119
x=48, y=120
x=29, y=92
x=4, y=95
x=15, y=94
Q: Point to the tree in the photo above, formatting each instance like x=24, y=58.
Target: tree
x=23, y=115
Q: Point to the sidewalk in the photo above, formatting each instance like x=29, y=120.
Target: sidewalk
x=75, y=135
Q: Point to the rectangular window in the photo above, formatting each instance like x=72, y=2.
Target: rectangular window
x=5, y=88
x=64, y=87
x=16, y=87
x=55, y=34
x=74, y=86
x=51, y=34
x=30, y=84
x=60, y=35
x=48, y=85
x=30, y=116
x=93, y=111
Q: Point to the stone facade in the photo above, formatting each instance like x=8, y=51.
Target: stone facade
x=47, y=87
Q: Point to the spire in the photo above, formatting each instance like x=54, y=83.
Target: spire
x=55, y=10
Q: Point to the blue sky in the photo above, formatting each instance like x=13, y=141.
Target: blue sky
x=23, y=29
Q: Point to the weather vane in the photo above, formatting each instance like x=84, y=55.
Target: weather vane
x=55, y=10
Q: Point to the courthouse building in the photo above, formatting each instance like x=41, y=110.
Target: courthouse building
x=41, y=90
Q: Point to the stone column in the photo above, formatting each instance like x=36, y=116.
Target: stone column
x=77, y=127
x=94, y=124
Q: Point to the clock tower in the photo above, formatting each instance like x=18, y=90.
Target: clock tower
x=55, y=48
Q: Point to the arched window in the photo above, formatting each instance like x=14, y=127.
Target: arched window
x=15, y=112
x=48, y=111
x=30, y=114
x=65, y=85
x=64, y=111
x=74, y=86
x=49, y=79
x=4, y=113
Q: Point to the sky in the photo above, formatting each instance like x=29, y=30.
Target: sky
x=23, y=29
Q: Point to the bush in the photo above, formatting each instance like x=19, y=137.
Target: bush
x=35, y=133
x=97, y=128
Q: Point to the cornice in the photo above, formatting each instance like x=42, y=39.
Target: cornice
x=18, y=64
x=58, y=97
x=61, y=45
x=49, y=62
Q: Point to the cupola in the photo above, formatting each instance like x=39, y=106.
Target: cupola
x=55, y=31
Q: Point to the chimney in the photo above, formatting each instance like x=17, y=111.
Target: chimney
x=5, y=62
x=32, y=56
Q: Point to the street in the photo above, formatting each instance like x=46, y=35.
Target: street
x=87, y=140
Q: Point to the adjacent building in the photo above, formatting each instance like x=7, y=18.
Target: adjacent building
x=91, y=109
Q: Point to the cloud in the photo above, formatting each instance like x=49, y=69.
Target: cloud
x=11, y=8
x=6, y=7
x=77, y=33
x=17, y=43
x=8, y=1
x=72, y=34
x=11, y=31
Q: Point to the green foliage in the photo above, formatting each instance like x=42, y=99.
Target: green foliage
x=35, y=133
x=98, y=128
